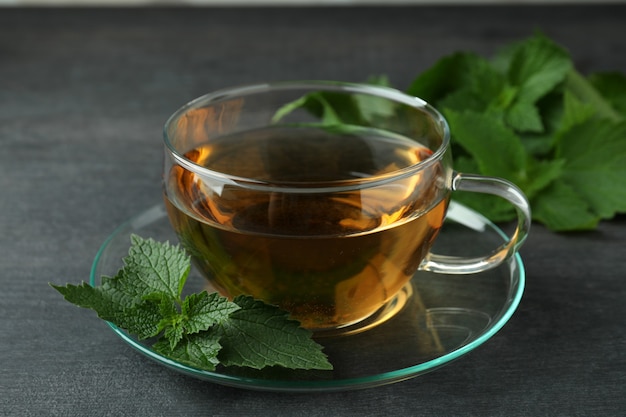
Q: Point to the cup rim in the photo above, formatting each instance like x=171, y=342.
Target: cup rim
x=312, y=85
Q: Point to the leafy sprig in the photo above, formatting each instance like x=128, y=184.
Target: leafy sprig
x=526, y=115
x=202, y=329
x=529, y=116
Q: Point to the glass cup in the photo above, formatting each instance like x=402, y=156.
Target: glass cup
x=322, y=198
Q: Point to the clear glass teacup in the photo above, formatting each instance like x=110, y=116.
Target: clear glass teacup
x=322, y=198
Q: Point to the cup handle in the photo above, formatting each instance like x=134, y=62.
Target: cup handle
x=488, y=185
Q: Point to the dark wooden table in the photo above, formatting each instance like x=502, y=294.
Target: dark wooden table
x=83, y=97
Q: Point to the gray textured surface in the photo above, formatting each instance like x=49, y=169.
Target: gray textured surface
x=83, y=96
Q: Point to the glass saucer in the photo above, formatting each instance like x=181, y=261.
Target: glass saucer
x=444, y=318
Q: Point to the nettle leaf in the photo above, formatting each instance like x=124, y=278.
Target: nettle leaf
x=495, y=147
x=142, y=320
x=174, y=332
x=586, y=92
x=446, y=76
x=595, y=167
x=523, y=115
x=536, y=67
x=560, y=208
x=574, y=111
x=541, y=174
x=335, y=109
x=484, y=90
x=203, y=310
x=374, y=108
x=612, y=87
x=541, y=144
x=84, y=295
x=259, y=335
x=153, y=268
x=464, y=82
x=329, y=108
x=191, y=329
x=198, y=350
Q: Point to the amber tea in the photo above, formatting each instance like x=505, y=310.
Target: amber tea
x=332, y=255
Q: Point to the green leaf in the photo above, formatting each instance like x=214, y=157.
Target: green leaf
x=198, y=350
x=484, y=90
x=536, y=67
x=174, y=331
x=541, y=144
x=203, y=310
x=574, y=111
x=561, y=208
x=329, y=108
x=142, y=320
x=541, y=173
x=495, y=147
x=464, y=82
x=290, y=107
x=447, y=75
x=612, y=87
x=151, y=267
x=523, y=115
x=86, y=296
x=586, y=92
x=260, y=335
x=373, y=108
x=595, y=167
